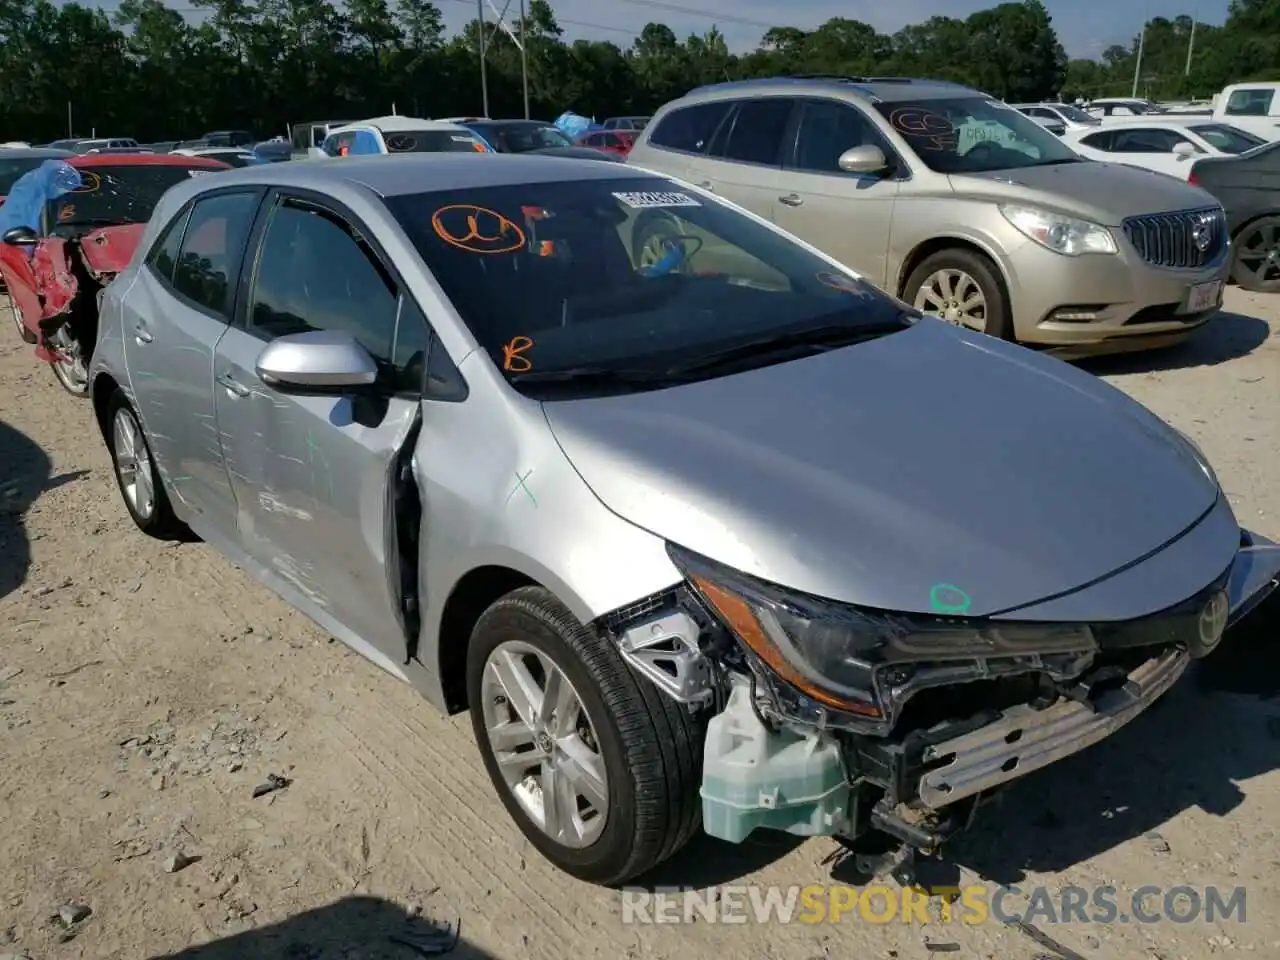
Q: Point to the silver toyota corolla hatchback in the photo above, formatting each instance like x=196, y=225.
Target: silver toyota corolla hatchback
x=700, y=529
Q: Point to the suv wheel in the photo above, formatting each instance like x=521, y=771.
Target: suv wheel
x=961, y=287
x=598, y=768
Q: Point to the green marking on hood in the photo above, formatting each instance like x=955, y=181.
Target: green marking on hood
x=947, y=598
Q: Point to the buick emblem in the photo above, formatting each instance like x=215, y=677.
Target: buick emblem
x=1200, y=234
x=1213, y=622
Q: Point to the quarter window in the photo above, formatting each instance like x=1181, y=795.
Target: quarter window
x=211, y=250
x=164, y=255
x=315, y=272
x=758, y=129
x=690, y=128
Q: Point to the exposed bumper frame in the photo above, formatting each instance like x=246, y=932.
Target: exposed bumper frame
x=1024, y=739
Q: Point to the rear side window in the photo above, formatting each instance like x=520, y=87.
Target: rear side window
x=1099, y=141
x=211, y=250
x=164, y=255
x=1250, y=103
x=690, y=128
x=1147, y=141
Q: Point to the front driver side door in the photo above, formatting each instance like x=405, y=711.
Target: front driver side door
x=848, y=216
x=313, y=475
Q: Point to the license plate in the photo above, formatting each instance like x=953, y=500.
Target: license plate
x=1204, y=296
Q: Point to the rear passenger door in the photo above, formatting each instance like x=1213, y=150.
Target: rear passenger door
x=848, y=216
x=744, y=160
x=173, y=316
x=313, y=475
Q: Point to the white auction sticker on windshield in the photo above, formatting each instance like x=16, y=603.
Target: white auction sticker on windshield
x=642, y=201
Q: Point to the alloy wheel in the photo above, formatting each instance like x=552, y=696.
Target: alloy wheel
x=69, y=365
x=133, y=464
x=954, y=296
x=545, y=744
x=1258, y=255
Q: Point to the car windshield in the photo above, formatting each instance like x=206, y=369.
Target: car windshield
x=1227, y=138
x=118, y=193
x=522, y=137
x=973, y=134
x=431, y=141
x=624, y=280
x=12, y=169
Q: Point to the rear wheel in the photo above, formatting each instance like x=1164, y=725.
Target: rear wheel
x=598, y=768
x=1256, y=263
x=961, y=287
x=136, y=473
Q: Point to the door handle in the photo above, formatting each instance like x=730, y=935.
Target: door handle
x=141, y=333
x=232, y=384
x=792, y=200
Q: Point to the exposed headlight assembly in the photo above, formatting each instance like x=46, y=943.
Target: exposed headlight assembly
x=862, y=665
x=1065, y=235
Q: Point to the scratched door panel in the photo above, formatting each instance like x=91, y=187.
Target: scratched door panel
x=169, y=355
x=311, y=485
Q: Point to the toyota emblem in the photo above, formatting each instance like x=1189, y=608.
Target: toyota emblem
x=1213, y=623
x=1200, y=234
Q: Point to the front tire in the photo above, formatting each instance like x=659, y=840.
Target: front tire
x=963, y=288
x=71, y=369
x=556, y=712
x=136, y=474
x=26, y=335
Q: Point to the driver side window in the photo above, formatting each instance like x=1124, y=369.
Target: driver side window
x=828, y=129
x=316, y=272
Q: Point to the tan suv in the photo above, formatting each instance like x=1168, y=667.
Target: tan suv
x=957, y=203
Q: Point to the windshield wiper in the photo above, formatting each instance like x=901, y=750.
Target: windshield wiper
x=589, y=375
x=817, y=339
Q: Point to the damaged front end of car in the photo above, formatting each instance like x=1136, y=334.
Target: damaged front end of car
x=889, y=730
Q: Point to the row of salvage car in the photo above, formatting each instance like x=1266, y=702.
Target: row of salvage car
x=664, y=496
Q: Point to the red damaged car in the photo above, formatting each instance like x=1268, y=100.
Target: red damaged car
x=56, y=272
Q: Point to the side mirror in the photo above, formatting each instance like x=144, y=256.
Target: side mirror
x=864, y=159
x=1184, y=151
x=318, y=361
x=20, y=237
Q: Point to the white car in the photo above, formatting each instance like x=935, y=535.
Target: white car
x=1164, y=143
x=1058, y=116
x=398, y=135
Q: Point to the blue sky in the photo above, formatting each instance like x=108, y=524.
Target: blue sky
x=1086, y=27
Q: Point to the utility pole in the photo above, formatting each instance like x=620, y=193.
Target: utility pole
x=524, y=62
x=1191, y=46
x=484, y=76
x=1137, y=67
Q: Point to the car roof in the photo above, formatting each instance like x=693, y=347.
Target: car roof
x=409, y=173
x=884, y=89
x=511, y=121
x=398, y=124
x=143, y=160
x=32, y=153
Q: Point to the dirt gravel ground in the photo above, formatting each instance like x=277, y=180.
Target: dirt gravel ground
x=146, y=689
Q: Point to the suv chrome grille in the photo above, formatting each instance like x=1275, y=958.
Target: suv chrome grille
x=1187, y=239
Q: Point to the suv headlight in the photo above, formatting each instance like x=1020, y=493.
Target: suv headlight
x=1065, y=235
x=856, y=660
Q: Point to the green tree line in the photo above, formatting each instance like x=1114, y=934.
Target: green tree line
x=145, y=70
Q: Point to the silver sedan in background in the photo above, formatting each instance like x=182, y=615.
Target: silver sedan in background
x=700, y=526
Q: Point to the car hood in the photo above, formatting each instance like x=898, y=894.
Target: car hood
x=108, y=250
x=1105, y=193
x=874, y=473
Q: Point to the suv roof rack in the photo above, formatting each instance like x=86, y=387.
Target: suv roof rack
x=828, y=77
